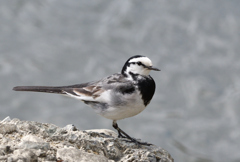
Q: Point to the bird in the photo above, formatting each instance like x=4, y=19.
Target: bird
x=117, y=96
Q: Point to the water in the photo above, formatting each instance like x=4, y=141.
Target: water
x=195, y=111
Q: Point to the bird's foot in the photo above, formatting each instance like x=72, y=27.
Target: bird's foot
x=122, y=134
x=137, y=142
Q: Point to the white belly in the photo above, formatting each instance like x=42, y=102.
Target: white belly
x=123, y=106
x=117, y=113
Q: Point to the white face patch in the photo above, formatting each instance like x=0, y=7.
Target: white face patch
x=146, y=61
x=139, y=69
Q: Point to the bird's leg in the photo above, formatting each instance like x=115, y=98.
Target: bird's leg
x=121, y=133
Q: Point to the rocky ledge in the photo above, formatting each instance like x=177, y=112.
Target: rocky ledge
x=34, y=141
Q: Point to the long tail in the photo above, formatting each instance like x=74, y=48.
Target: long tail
x=46, y=89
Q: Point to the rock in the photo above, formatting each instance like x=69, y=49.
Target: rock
x=73, y=154
x=103, y=131
x=7, y=128
x=7, y=119
x=70, y=127
x=33, y=141
x=23, y=155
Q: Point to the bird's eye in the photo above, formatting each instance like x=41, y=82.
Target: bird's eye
x=139, y=63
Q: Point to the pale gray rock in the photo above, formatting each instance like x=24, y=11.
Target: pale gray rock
x=70, y=127
x=23, y=155
x=7, y=119
x=34, y=145
x=73, y=154
x=7, y=128
x=33, y=141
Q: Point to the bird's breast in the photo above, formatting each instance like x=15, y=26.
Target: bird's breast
x=124, y=106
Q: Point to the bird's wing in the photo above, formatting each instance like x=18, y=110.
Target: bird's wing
x=88, y=93
x=101, y=90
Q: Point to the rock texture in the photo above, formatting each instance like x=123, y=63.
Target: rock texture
x=33, y=141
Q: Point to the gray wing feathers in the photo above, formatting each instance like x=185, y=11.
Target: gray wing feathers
x=90, y=89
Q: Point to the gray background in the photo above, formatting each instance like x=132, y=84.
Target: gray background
x=195, y=112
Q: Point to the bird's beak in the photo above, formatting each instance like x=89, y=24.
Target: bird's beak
x=152, y=68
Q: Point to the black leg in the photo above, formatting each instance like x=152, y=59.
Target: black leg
x=122, y=134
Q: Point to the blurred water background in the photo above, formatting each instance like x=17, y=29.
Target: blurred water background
x=195, y=113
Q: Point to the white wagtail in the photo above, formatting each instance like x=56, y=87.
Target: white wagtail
x=115, y=97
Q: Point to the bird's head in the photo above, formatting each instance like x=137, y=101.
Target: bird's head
x=140, y=65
